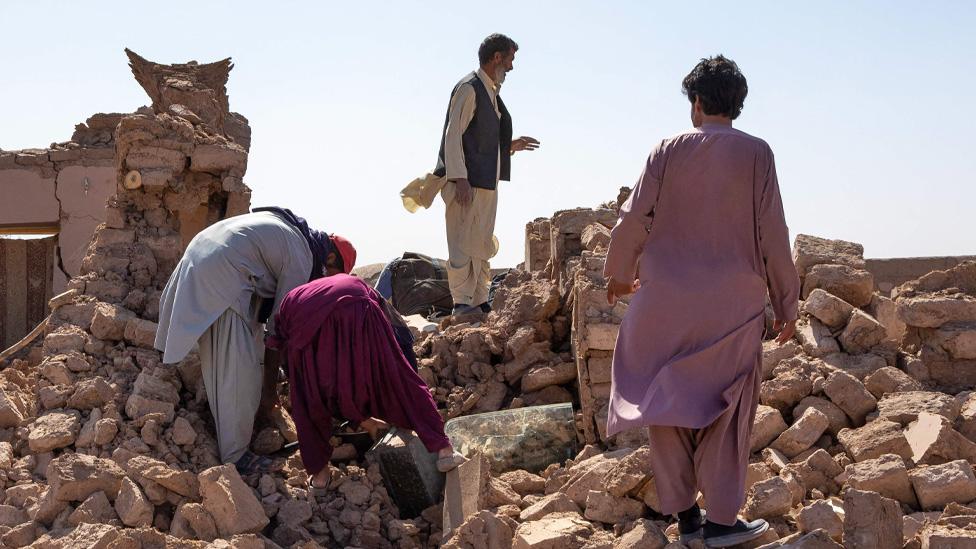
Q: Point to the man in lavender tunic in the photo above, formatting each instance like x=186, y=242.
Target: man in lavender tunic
x=700, y=240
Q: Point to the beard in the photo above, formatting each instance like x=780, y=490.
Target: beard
x=499, y=76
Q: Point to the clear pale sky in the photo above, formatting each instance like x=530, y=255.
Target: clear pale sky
x=867, y=105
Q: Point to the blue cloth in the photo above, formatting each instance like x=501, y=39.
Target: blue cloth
x=384, y=285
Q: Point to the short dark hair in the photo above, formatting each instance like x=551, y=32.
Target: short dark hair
x=493, y=44
x=719, y=84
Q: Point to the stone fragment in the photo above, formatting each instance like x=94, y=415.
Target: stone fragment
x=609, y=509
x=932, y=311
x=773, y=354
x=466, y=490
x=91, y=393
x=140, y=332
x=132, y=506
x=555, y=531
x=855, y=286
x=544, y=376
x=644, y=535
x=838, y=420
x=886, y=312
x=933, y=536
x=785, y=390
x=595, y=236
x=11, y=516
x=821, y=515
x=191, y=520
x=938, y=485
x=137, y=406
x=56, y=371
x=524, y=482
x=816, y=338
x=934, y=441
x=557, y=502
x=816, y=472
x=483, y=529
x=11, y=408
x=768, y=499
x=812, y=250
x=871, y=521
x=802, y=434
x=589, y=475
x=861, y=333
x=629, y=474
x=53, y=430
x=109, y=321
x=94, y=510
x=859, y=366
x=890, y=380
x=849, y=394
x=833, y=311
x=905, y=407
x=886, y=475
x=183, y=433
x=874, y=440
x=233, y=505
x=21, y=536
x=105, y=431
x=500, y=494
x=768, y=425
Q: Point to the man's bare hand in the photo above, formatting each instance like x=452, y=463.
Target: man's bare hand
x=617, y=289
x=525, y=143
x=463, y=192
x=786, y=330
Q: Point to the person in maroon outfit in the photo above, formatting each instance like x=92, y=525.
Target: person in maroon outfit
x=344, y=361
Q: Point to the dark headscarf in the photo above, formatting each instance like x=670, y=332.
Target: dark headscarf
x=318, y=241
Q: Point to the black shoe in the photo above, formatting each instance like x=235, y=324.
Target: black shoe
x=719, y=535
x=485, y=307
x=460, y=310
x=690, y=524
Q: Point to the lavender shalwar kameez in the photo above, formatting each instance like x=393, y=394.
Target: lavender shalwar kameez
x=705, y=232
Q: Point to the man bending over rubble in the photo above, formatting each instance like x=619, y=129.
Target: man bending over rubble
x=700, y=240
x=220, y=293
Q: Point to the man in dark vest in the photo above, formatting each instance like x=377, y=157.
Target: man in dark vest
x=475, y=154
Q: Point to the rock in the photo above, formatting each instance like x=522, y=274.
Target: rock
x=855, y=286
x=871, y=521
x=595, y=236
x=140, y=332
x=941, y=535
x=874, y=440
x=53, y=430
x=589, y=474
x=603, y=507
x=802, y=434
x=938, y=485
x=183, y=433
x=524, y=482
x=886, y=475
x=558, y=502
x=785, y=390
x=555, y=531
x=838, y=420
x=932, y=311
x=94, y=510
x=821, y=515
x=905, y=407
x=816, y=472
x=768, y=499
x=74, y=477
x=850, y=395
x=644, y=535
x=773, y=354
x=184, y=483
x=233, y=505
x=91, y=393
x=500, y=493
x=109, y=321
x=12, y=406
x=56, y=372
x=483, y=529
x=105, y=431
x=629, y=474
x=545, y=376
x=861, y=333
x=809, y=251
x=193, y=519
x=11, y=516
x=833, y=311
x=132, y=506
x=64, y=339
x=859, y=366
x=816, y=338
x=890, y=380
x=21, y=536
x=934, y=441
x=294, y=512
x=138, y=406
x=85, y=536
x=768, y=425
x=466, y=490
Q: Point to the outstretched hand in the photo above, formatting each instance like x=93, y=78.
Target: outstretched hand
x=786, y=330
x=617, y=289
x=525, y=143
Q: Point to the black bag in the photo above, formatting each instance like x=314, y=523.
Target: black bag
x=420, y=286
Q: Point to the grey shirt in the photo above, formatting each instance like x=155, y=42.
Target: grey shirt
x=232, y=264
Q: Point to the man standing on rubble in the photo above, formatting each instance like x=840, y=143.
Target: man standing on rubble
x=475, y=153
x=700, y=240
x=232, y=277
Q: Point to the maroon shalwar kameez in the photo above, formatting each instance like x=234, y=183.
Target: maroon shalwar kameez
x=705, y=225
x=343, y=360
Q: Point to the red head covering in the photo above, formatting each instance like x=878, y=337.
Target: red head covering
x=346, y=251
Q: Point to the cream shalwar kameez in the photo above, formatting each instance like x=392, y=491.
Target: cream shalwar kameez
x=213, y=298
x=705, y=225
x=471, y=238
